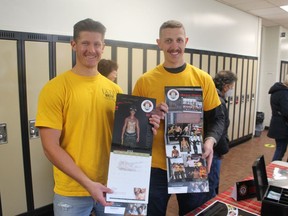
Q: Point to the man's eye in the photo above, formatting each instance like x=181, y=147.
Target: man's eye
x=97, y=45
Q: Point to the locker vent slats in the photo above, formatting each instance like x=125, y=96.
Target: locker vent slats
x=7, y=35
x=64, y=38
x=37, y=37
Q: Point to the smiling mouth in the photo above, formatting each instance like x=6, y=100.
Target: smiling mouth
x=174, y=52
x=90, y=57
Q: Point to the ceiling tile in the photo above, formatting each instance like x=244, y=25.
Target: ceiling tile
x=278, y=2
x=268, y=23
x=233, y=2
x=268, y=10
x=252, y=5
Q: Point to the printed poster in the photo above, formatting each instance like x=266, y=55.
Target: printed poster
x=186, y=170
x=130, y=156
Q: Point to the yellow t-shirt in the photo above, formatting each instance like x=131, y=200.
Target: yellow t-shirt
x=152, y=84
x=83, y=109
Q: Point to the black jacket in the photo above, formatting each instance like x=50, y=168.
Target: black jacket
x=223, y=144
x=214, y=123
x=278, y=129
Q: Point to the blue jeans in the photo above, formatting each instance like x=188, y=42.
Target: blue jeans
x=281, y=146
x=214, y=176
x=159, y=197
x=75, y=206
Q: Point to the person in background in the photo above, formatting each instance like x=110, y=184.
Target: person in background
x=108, y=68
x=224, y=82
x=278, y=128
x=174, y=71
x=71, y=107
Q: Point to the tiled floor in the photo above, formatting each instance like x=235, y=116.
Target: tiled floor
x=237, y=164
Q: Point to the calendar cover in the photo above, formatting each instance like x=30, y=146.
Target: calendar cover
x=130, y=156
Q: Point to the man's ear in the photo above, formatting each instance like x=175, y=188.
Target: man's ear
x=73, y=43
x=103, y=47
x=186, y=40
x=158, y=43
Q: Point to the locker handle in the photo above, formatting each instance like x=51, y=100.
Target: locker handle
x=242, y=98
x=33, y=131
x=252, y=97
x=237, y=100
x=230, y=99
x=3, y=133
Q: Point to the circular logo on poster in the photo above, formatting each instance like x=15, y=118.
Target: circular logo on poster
x=147, y=106
x=243, y=190
x=173, y=94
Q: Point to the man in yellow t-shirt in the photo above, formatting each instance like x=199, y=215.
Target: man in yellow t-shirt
x=75, y=117
x=175, y=72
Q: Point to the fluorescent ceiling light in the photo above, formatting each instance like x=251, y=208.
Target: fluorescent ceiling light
x=284, y=7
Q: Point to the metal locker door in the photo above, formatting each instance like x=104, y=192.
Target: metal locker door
x=243, y=111
x=196, y=60
x=137, y=65
x=151, y=57
x=248, y=97
x=253, y=95
x=227, y=63
x=237, y=99
x=187, y=57
x=122, y=58
x=12, y=183
x=107, y=54
x=220, y=63
x=63, y=57
x=212, y=67
x=37, y=74
x=205, y=63
x=231, y=101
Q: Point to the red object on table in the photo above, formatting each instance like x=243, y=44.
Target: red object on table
x=251, y=205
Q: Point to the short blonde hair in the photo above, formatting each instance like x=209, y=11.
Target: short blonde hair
x=171, y=24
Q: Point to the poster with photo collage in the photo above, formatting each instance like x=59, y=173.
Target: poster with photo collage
x=186, y=170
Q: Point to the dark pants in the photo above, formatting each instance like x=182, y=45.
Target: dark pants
x=159, y=197
x=281, y=146
x=214, y=176
x=130, y=139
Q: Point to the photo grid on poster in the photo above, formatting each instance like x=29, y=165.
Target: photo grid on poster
x=130, y=156
x=186, y=170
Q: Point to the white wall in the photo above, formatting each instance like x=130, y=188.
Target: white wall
x=284, y=45
x=274, y=50
x=210, y=25
x=269, y=69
